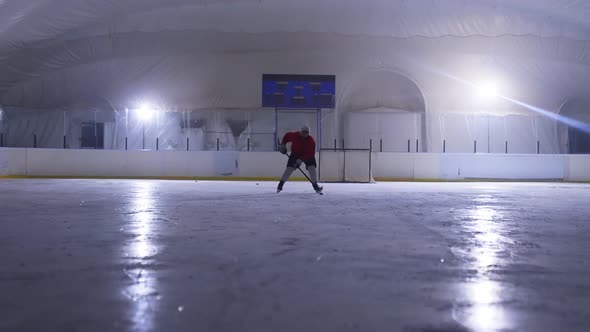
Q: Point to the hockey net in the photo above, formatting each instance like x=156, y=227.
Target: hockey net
x=345, y=165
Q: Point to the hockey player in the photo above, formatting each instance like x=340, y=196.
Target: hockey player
x=302, y=151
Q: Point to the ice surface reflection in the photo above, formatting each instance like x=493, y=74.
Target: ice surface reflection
x=142, y=205
x=481, y=306
x=485, y=313
x=139, y=252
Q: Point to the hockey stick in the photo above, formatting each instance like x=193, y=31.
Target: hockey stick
x=302, y=172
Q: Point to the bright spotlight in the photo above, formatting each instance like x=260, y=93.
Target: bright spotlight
x=487, y=89
x=145, y=112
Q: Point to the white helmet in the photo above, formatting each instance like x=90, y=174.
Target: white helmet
x=304, y=128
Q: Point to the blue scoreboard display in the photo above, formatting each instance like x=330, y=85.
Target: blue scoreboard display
x=298, y=91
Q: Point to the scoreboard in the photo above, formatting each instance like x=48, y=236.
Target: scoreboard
x=298, y=91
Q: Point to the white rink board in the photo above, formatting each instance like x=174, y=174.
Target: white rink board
x=348, y=166
x=13, y=161
x=578, y=168
x=501, y=166
x=59, y=162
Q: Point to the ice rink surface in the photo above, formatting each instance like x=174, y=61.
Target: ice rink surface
x=137, y=255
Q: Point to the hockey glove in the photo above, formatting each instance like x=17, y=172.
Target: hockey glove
x=282, y=149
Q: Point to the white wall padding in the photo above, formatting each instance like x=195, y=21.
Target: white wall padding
x=394, y=129
x=460, y=130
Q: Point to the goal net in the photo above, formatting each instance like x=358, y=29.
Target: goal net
x=345, y=165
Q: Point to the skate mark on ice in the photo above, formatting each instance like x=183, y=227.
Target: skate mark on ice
x=291, y=243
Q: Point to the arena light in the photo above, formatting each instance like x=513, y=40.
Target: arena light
x=502, y=95
x=145, y=112
x=487, y=89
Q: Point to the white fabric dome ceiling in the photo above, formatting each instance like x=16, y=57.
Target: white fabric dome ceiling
x=211, y=54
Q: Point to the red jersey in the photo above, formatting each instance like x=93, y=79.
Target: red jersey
x=304, y=148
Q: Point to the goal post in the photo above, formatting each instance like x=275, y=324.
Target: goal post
x=345, y=165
